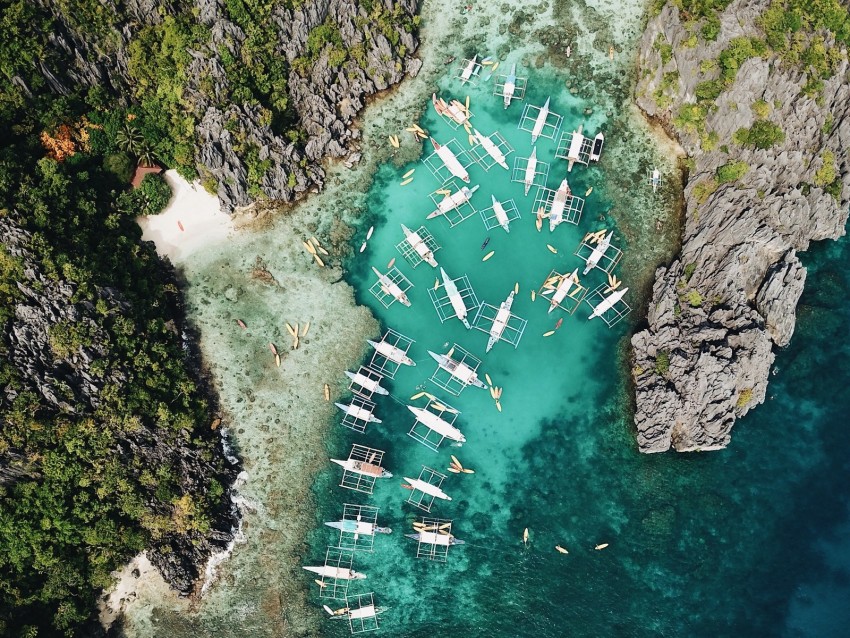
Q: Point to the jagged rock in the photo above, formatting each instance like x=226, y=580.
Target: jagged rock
x=326, y=99
x=718, y=311
x=66, y=377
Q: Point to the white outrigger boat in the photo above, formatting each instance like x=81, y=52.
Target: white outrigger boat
x=367, y=611
x=363, y=467
x=655, y=180
x=500, y=322
x=510, y=86
x=438, y=425
x=454, y=109
x=501, y=215
x=492, y=150
x=391, y=288
x=597, y=147
x=540, y=122
x=372, y=385
x=607, y=303
x=430, y=490
x=564, y=287
x=357, y=412
x=451, y=161
x=466, y=75
x=391, y=352
x=418, y=244
x=458, y=370
x=450, y=202
x=530, y=171
x=456, y=299
x=556, y=213
x=329, y=571
x=358, y=527
x=434, y=538
x=598, y=253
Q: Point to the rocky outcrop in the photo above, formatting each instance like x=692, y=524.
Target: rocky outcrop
x=325, y=97
x=59, y=350
x=718, y=312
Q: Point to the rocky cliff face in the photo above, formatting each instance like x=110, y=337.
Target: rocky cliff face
x=325, y=97
x=718, y=312
x=70, y=382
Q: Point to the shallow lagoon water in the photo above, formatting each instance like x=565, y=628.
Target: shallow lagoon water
x=746, y=541
x=718, y=544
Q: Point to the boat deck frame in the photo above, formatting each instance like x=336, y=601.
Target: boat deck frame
x=364, y=623
x=425, y=435
x=571, y=302
x=476, y=70
x=435, y=163
x=398, y=278
x=361, y=482
x=613, y=315
x=353, y=423
x=361, y=514
x=457, y=214
x=541, y=173
x=442, y=303
x=433, y=551
x=480, y=156
x=563, y=149
x=409, y=252
x=573, y=207
x=420, y=499
x=514, y=328
x=384, y=366
x=336, y=588
x=520, y=86
x=488, y=215
x=529, y=118
x=606, y=263
x=361, y=391
x=446, y=380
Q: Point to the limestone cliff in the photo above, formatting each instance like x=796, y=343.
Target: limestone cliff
x=240, y=151
x=719, y=311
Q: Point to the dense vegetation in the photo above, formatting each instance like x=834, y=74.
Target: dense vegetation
x=92, y=485
x=82, y=507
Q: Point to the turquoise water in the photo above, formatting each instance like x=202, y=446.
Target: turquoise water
x=731, y=543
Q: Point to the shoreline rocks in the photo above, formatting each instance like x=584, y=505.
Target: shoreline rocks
x=718, y=312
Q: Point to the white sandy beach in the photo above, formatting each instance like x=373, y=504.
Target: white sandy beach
x=203, y=223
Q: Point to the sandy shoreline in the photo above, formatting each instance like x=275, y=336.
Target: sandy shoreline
x=193, y=220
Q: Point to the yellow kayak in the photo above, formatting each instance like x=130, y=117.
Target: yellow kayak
x=408, y=173
x=407, y=181
x=552, y=249
x=549, y=334
x=488, y=255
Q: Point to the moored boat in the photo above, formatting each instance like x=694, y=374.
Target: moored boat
x=556, y=213
x=501, y=215
x=501, y=321
x=458, y=370
x=391, y=288
x=492, y=150
x=419, y=245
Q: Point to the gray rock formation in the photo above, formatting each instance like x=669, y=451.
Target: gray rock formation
x=718, y=311
x=68, y=380
x=326, y=97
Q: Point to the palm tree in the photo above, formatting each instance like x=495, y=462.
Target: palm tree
x=129, y=139
x=146, y=155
